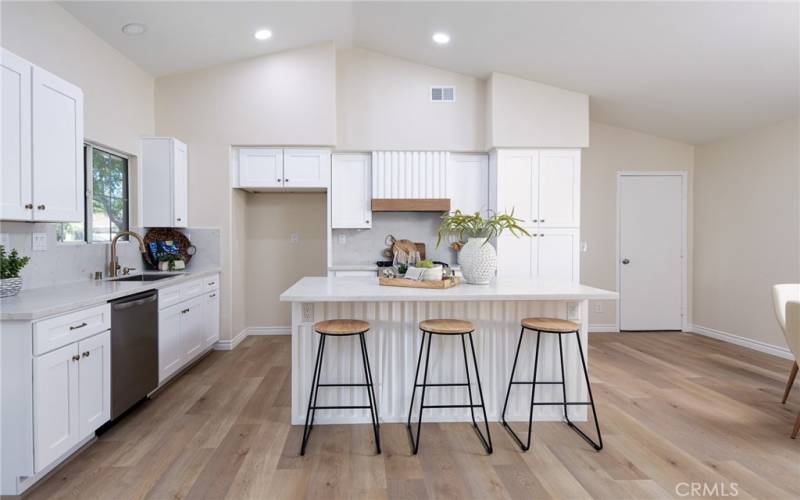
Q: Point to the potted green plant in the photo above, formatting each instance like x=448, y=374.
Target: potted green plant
x=477, y=257
x=10, y=266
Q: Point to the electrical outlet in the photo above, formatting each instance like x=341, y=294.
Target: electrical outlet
x=308, y=313
x=341, y=239
x=572, y=311
x=598, y=307
x=294, y=239
x=39, y=242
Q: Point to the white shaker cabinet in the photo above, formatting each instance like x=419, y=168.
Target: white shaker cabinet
x=211, y=318
x=351, y=191
x=306, y=168
x=170, y=352
x=192, y=331
x=559, y=188
x=42, y=139
x=550, y=254
x=283, y=169
x=165, y=182
x=260, y=167
x=94, y=382
x=468, y=182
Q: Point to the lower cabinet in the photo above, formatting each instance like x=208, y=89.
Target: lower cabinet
x=72, y=396
x=549, y=253
x=187, y=328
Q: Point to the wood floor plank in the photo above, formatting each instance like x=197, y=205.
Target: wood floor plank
x=673, y=408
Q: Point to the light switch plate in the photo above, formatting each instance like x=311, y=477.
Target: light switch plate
x=341, y=239
x=39, y=242
x=294, y=238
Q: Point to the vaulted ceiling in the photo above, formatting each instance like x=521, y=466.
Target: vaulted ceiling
x=691, y=71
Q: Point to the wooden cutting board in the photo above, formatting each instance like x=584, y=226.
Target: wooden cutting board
x=439, y=284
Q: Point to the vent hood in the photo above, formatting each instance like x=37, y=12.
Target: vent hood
x=410, y=181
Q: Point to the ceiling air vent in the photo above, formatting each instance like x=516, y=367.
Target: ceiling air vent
x=443, y=94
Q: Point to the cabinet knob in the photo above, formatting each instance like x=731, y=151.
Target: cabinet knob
x=278, y=179
x=41, y=207
x=76, y=358
x=185, y=311
x=29, y=206
x=178, y=219
x=286, y=180
x=86, y=354
x=541, y=220
x=626, y=261
x=366, y=221
x=212, y=295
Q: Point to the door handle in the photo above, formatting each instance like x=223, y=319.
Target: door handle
x=626, y=261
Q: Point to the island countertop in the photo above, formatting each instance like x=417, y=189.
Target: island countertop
x=367, y=289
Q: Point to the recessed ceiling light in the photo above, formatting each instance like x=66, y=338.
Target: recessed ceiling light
x=263, y=34
x=134, y=29
x=441, y=38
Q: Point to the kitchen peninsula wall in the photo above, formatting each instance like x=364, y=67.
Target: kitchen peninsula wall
x=365, y=246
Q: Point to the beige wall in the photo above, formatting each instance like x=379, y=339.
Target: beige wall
x=526, y=113
x=384, y=103
x=273, y=263
x=280, y=99
x=613, y=149
x=118, y=95
x=747, y=229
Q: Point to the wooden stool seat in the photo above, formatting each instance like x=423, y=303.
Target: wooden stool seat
x=551, y=325
x=341, y=327
x=447, y=326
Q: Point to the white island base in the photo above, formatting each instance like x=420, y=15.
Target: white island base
x=393, y=344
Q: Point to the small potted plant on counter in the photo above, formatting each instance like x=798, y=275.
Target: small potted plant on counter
x=10, y=266
x=477, y=257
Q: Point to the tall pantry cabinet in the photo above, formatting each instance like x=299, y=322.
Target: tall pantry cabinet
x=542, y=188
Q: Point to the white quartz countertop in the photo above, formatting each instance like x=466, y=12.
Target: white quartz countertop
x=47, y=301
x=366, y=289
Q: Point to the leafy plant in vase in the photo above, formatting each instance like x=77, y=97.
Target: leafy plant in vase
x=10, y=266
x=477, y=257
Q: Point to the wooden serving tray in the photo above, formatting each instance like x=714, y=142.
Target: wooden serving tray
x=439, y=284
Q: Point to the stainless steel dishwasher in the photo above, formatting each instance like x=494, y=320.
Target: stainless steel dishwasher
x=134, y=350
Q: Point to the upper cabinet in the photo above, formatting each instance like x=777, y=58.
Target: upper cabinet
x=165, y=182
x=42, y=142
x=351, y=190
x=542, y=187
x=283, y=169
x=468, y=182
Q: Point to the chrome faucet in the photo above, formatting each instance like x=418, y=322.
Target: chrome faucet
x=114, y=265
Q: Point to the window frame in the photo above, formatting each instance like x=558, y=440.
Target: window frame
x=88, y=208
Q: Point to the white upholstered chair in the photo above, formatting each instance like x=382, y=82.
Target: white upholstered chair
x=786, y=299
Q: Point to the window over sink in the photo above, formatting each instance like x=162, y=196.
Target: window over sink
x=106, y=202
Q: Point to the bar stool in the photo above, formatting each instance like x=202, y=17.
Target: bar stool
x=559, y=327
x=341, y=328
x=447, y=327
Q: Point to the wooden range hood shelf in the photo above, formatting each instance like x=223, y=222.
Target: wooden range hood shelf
x=411, y=204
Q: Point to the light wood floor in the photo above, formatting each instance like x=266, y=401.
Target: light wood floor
x=674, y=408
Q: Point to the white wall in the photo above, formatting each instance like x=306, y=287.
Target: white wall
x=526, y=113
x=747, y=229
x=279, y=99
x=118, y=95
x=614, y=149
x=384, y=103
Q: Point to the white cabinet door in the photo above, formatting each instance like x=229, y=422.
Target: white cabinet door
x=211, y=318
x=94, y=383
x=180, y=185
x=515, y=256
x=55, y=408
x=170, y=347
x=559, y=188
x=557, y=254
x=517, y=185
x=351, y=191
x=306, y=168
x=58, y=190
x=193, y=333
x=468, y=183
x=16, y=197
x=260, y=167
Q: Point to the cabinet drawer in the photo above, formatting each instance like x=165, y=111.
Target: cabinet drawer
x=168, y=296
x=52, y=333
x=211, y=282
x=192, y=288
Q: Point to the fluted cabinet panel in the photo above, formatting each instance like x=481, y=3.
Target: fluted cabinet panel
x=393, y=344
x=409, y=174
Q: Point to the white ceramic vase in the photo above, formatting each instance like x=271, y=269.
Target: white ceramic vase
x=478, y=261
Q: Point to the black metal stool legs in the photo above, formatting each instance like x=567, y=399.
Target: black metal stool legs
x=526, y=446
x=315, y=385
x=485, y=441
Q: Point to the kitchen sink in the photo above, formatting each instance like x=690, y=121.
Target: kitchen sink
x=145, y=277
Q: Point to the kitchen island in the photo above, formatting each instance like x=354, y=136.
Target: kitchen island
x=394, y=340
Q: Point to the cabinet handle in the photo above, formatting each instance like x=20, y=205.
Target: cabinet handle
x=286, y=180
x=76, y=358
x=278, y=179
x=535, y=220
x=541, y=220
x=185, y=311
x=41, y=207
x=86, y=354
x=29, y=206
x=212, y=283
x=534, y=235
x=178, y=219
x=79, y=326
x=212, y=295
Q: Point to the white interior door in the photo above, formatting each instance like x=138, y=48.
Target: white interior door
x=651, y=244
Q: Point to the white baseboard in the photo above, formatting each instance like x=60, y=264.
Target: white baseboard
x=229, y=345
x=268, y=330
x=756, y=345
x=603, y=328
